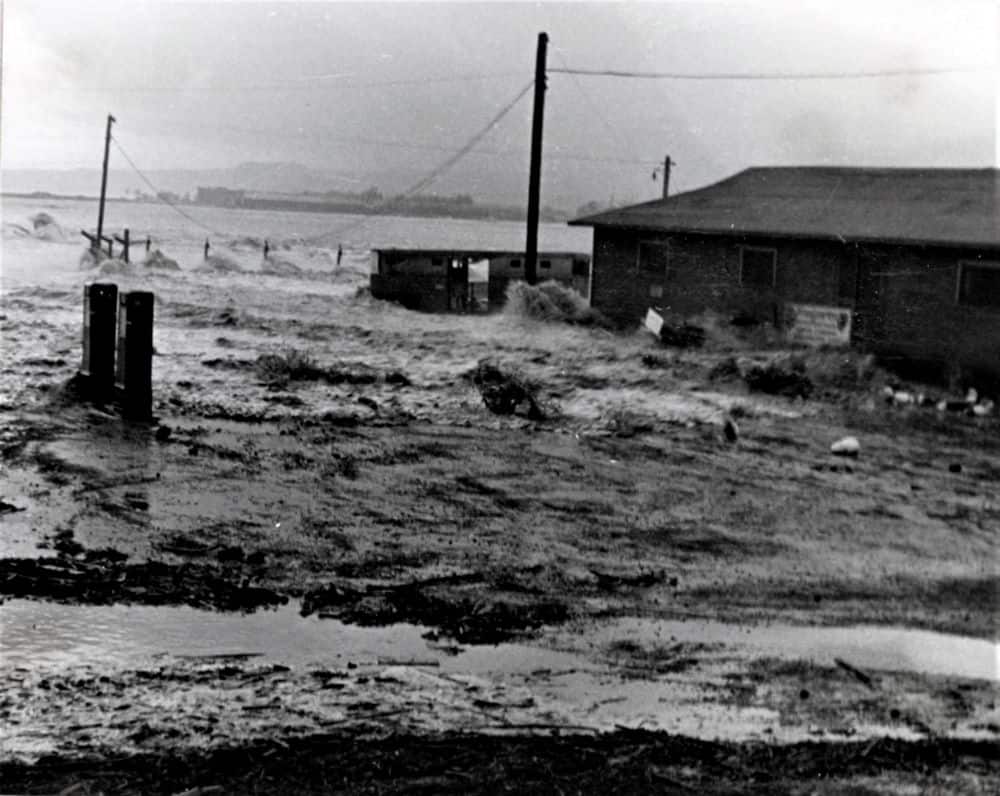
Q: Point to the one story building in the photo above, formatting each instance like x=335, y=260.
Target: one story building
x=461, y=280
x=911, y=255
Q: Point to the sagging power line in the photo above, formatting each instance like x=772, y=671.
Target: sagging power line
x=156, y=191
x=859, y=75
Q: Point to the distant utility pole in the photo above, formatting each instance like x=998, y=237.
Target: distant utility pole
x=666, y=176
x=535, y=177
x=104, y=181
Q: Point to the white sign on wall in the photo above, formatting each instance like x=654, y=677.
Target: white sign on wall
x=816, y=325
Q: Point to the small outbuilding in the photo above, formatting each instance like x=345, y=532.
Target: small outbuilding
x=903, y=262
x=462, y=280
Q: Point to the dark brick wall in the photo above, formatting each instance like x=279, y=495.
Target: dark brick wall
x=904, y=297
x=703, y=272
x=914, y=295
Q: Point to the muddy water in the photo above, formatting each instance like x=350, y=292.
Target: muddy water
x=48, y=633
x=79, y=678
x=36, y=632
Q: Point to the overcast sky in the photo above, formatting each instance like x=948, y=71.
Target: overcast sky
x=379, y=92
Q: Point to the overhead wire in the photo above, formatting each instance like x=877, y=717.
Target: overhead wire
x=306, y=82
x=157, y=192
x=439, y=170
x=874, y=73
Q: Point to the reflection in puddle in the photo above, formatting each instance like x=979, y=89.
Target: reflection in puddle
x=77, y=678
x=875, y=647
x=39, y=632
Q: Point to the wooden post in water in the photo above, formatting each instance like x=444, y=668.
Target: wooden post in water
x=104, y=181
x=124, y=241
x=535, y=175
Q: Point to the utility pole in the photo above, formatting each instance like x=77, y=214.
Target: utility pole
x=104, y=180
x=666, y=177
x=535, y=176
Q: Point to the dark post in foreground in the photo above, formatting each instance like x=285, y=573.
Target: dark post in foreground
x=666, y=176
x=100, y=310
x=134, y=377
x=535, y=176
x=104, y=181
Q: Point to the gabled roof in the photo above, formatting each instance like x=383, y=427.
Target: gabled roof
x=952, y=207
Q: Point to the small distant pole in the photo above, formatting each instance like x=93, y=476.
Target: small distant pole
x=207, y=247
x=666, y=176
x=104, y=178
x=149, y=242
x=535, y=175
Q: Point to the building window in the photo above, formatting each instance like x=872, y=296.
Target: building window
x=546, y=263
x=437, y=260
x=758, y=266
x=515, y=263
x=653, y=257
x=979, y=284
x=581, y=268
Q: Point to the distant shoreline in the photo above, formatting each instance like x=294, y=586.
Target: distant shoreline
x=292, y=206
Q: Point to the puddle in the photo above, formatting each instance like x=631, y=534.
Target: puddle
x=78, y=679
x=41, y=633
x=36, y=633
x=872, y=647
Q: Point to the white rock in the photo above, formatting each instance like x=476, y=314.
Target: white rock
x=848, y=446
x=984, y=409
x=903, y=397
x=971, y=396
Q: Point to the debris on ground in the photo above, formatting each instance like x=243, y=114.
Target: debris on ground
x=467, y=607
x=848, y=446
x=504, y=391
x=730, y=430
x=679, y=335
x=855, y=672
x=103, y=579
x=780, y=377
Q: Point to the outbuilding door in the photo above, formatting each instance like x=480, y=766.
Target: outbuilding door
x=458, y=284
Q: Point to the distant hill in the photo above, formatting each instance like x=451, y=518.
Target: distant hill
x=285, y=177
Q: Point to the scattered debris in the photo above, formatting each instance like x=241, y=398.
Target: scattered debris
x=780, y=378
x=8, y=508
x=848, y=446
x=730, y=430
x=683, y=335
x=503, y=392
x=105, y=580
x=857, y=673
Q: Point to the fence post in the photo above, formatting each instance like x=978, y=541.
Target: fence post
x=124, y=241
x=134, y=377
x=100, y=307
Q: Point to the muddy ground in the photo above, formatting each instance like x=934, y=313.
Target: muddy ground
x=374, y=487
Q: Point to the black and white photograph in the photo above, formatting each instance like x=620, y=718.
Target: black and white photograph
x=499, y=397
